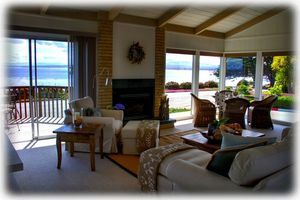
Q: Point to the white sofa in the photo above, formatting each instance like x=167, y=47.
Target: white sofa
x=112, y=119
x=266, y=168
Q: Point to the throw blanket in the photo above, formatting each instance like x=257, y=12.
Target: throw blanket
x=150, y=161
x=146, y=136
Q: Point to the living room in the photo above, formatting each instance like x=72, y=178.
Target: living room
x=119, y=56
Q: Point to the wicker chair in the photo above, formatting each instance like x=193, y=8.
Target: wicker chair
x=235, y=110
x=220, y=98
x=205, y=112
x=259, y=113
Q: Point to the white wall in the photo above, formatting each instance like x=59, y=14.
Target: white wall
x=123, y=37
x=273, y=34
x=191, y=42
x=52, y=23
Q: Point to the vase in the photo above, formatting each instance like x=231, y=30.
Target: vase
x=211, y=130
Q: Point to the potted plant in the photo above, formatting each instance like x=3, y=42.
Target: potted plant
x=214, y=132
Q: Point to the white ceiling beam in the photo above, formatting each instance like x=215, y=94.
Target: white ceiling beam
x=44, y=9
x=169, y=15
x=215, y=19
x=114, y=13
x=254, y=21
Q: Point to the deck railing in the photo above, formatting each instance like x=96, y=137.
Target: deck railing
x=48, y=101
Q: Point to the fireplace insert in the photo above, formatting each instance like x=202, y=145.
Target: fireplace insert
x=137, y=95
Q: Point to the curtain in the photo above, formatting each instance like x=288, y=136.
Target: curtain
x=83, y=67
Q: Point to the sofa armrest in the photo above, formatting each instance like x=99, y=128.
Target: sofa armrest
x=281, y=181
x=117, y=114
x=190, y=177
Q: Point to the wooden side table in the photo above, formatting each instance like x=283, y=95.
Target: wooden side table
x=86, y=134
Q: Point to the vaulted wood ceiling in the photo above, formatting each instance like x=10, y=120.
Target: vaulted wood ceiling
x=215, y=21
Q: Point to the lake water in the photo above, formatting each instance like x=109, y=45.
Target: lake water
x=186, y=75
x=58, y=76
x=46, y=76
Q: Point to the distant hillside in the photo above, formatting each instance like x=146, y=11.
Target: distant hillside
x=234, y=64
x=185, y=67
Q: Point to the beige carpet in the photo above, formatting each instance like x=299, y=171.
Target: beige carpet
x=130, y=163
x=40, y=174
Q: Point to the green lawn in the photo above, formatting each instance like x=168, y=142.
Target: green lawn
x=176, y=110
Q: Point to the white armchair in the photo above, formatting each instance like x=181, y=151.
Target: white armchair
x=112, y=119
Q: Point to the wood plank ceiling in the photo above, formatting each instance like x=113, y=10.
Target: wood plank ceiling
x=215, y=21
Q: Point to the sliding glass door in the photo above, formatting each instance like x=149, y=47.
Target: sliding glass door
x=51, y=84
x=38, y=77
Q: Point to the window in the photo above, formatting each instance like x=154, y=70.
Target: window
x=178, y=83
x=278, y=80
x=17, y=66
x=208, y=77
x=240, y=75
x=52, y=63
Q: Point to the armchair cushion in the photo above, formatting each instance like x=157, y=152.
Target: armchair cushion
x=230, y=140
x=111, y=130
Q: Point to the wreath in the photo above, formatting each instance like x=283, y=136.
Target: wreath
x=136, y=53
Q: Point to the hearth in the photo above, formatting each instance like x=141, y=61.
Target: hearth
x=137, y=95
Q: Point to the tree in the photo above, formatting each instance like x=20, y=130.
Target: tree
x=268, y=69
x=283, y=65
x=249, y=67
x=249, y=64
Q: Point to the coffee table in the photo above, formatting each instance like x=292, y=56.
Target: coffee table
x=201, y=142
x=85, y=134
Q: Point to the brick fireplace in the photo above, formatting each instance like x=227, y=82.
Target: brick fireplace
x=104, y=59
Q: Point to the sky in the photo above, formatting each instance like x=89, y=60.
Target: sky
x=55, y=52
x=187, y=60
x=48, y=52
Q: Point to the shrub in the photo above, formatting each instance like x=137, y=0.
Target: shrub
x=275, y=90
x=186, y=85
x=243, y=89
x=211, y=84
x=285, y=102
x=201, y=85
x=172, y=85
x=242, y=82
x=228, y=88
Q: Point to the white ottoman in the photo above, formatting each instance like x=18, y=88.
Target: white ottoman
x=129, y=137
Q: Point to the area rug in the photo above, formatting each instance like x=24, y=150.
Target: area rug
x=130, y=163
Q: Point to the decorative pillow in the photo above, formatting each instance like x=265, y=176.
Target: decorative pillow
x=91, y=112
x=68, y=118
x=97, y=112
x=222, y=159
x=230, y=140
x=252, y=165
